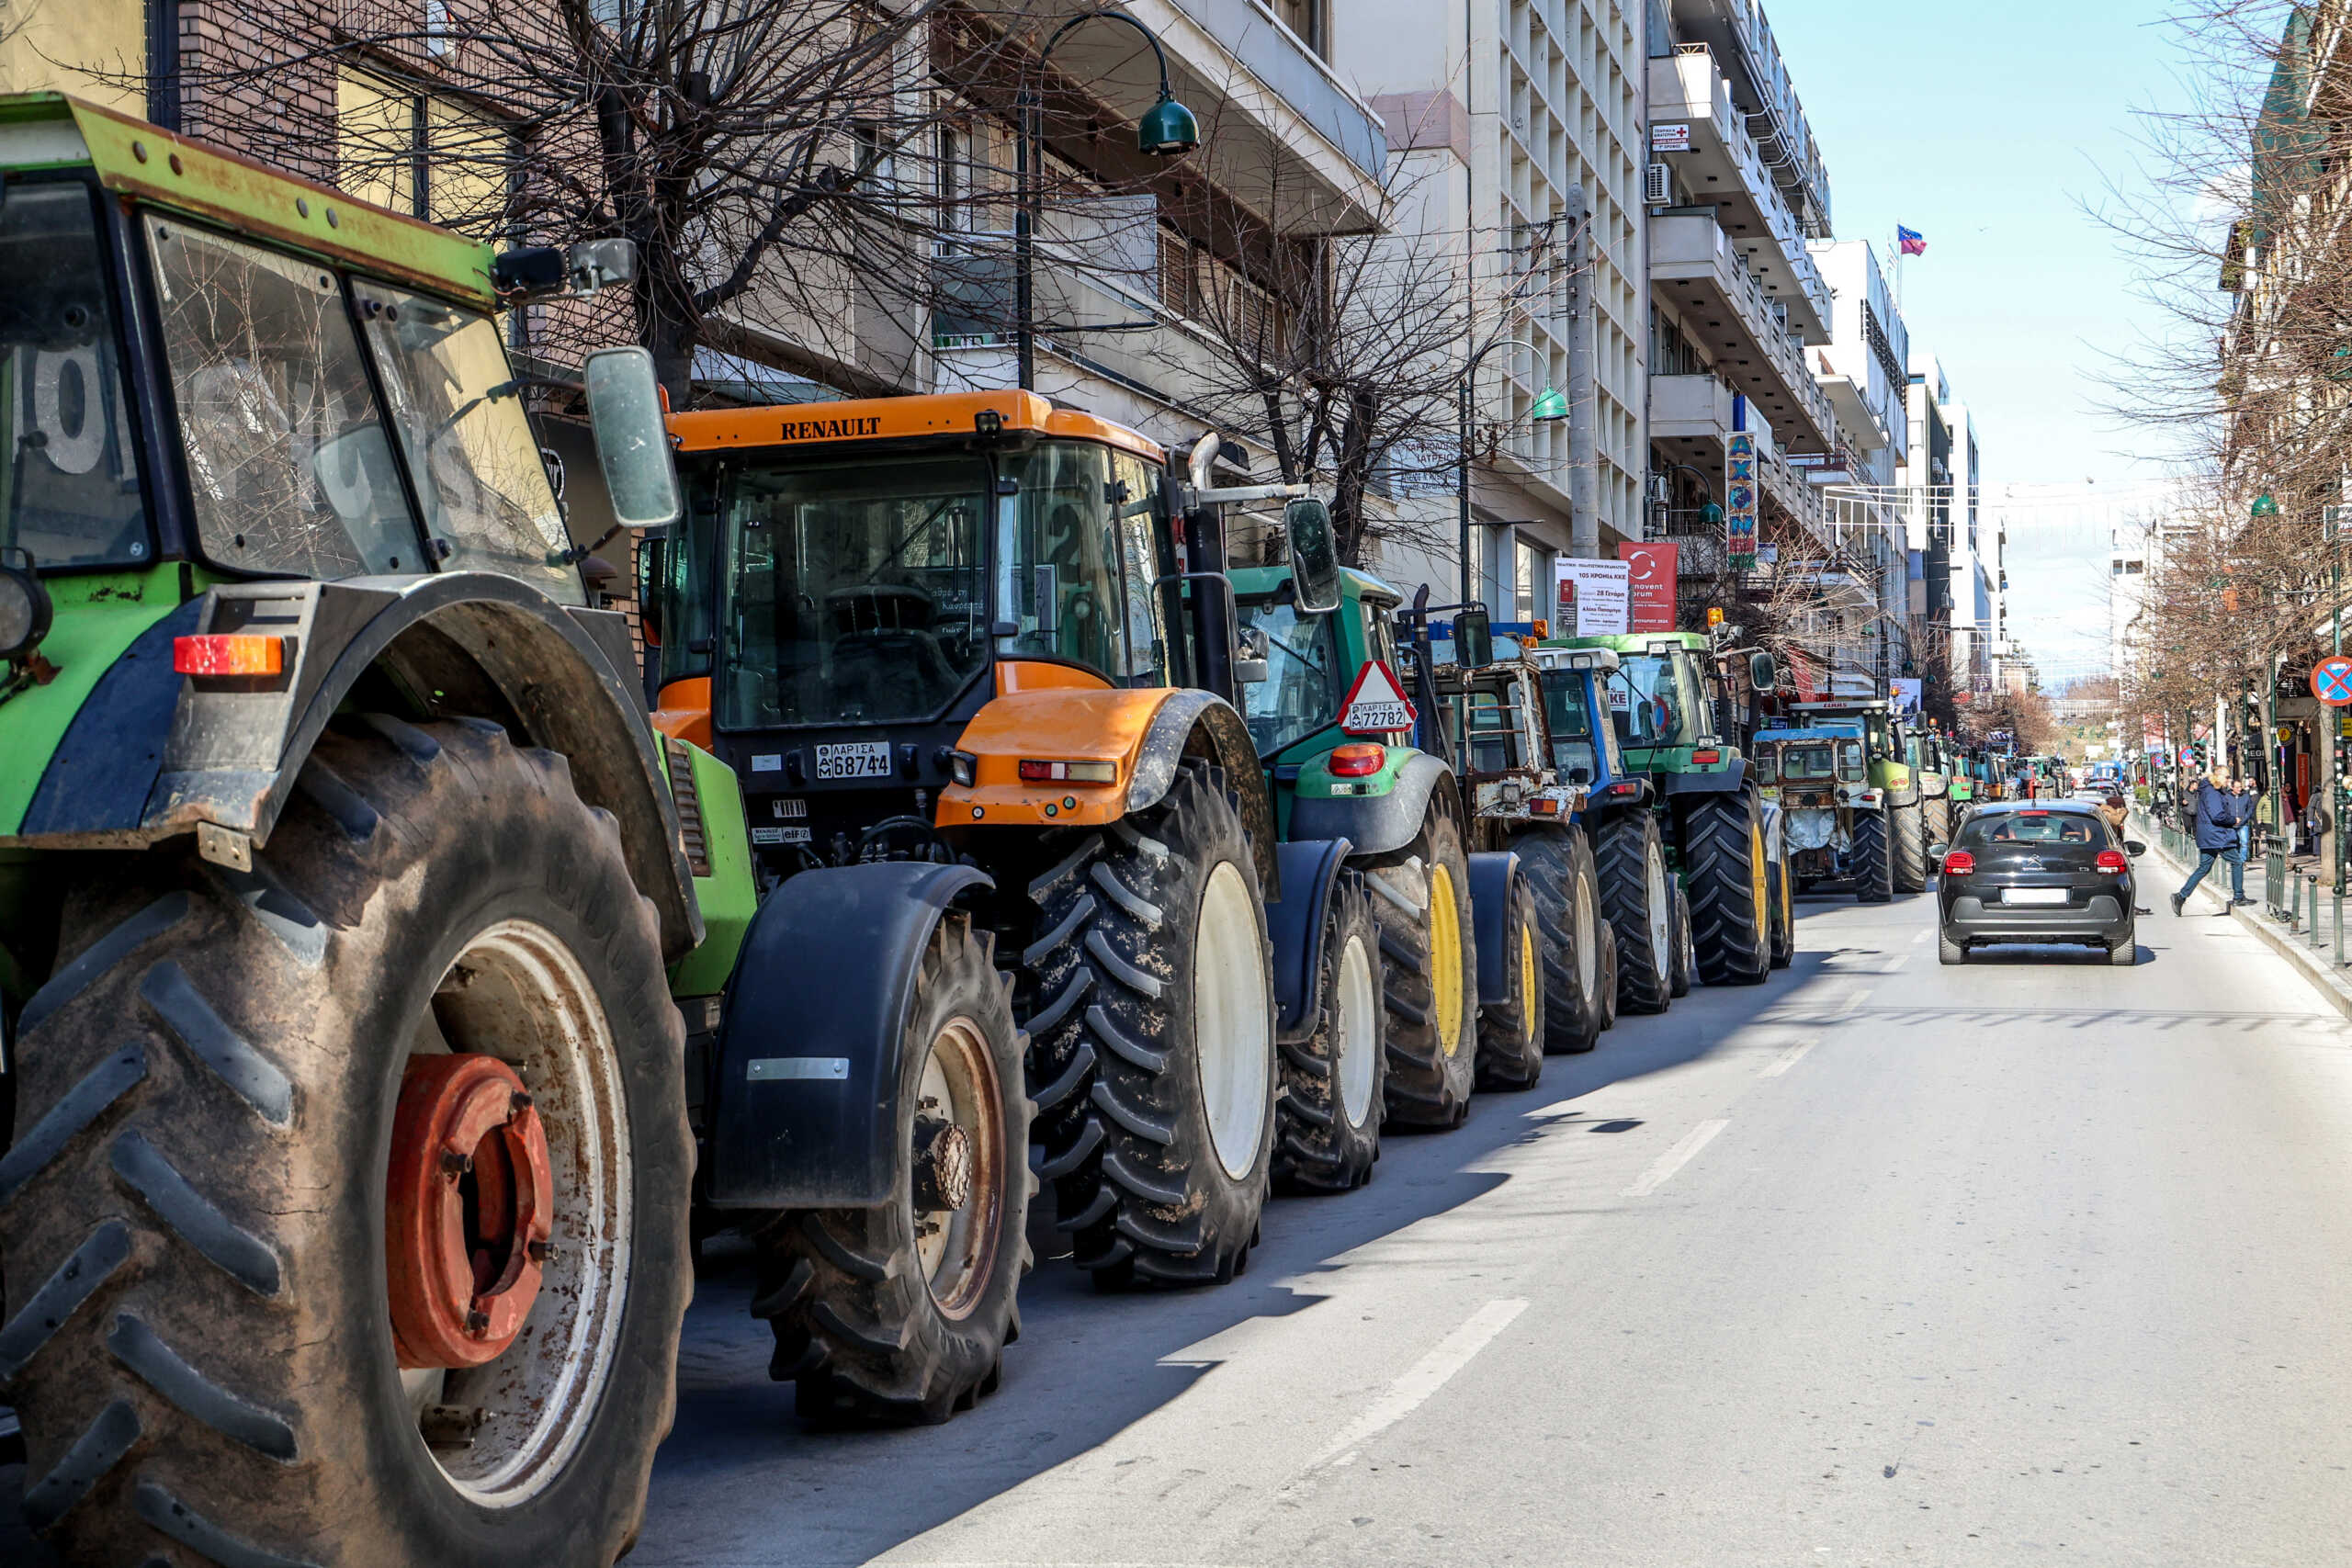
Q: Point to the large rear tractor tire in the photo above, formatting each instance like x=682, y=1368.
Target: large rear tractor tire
x=1328, y=1133
x=900, y=1314
x=1150, y=993
x=1557, y=863
x=1909, y=826
x=1731, y=896
x=1873, y=865
x=1637, y=896
x=1510, y=1028
x=1423, y=905
x=346, y=1213
x=1938, y=818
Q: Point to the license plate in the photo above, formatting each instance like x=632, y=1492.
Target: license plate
x=2033, y=896
x=854, y=759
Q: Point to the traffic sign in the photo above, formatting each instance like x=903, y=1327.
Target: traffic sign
x=1375, y=705
x=2332, y=682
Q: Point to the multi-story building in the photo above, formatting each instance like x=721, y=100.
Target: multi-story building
x=1865, y=371
x=1523, y=122
x=1737, y=191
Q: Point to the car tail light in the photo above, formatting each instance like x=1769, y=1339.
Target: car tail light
x=1358, y=760
x=1034, y=770
x=2112, y=863
x=1960, y=863
x=228, y=654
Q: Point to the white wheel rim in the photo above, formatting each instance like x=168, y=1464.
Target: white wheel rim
x=1232, y=1037
x=1661, y=914
x=516, y=992
x=1587, y=939
x=1357, y=1032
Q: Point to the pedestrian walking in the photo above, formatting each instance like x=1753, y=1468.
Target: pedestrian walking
x=2218, y=813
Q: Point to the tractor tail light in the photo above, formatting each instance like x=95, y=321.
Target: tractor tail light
x=1706, y=759
x=1544, y=806
x=2112, y=863
x=1034, y=770
x=228, y=654
x=1960, y=863
x=1358, y=760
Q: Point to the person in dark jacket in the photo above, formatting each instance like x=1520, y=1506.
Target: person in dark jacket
x=2218, y=813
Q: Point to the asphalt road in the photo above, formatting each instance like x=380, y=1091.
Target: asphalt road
x=2031, y=1262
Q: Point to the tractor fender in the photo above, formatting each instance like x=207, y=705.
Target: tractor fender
x=1310, y=869
x=1201, y=724
x=803, y=1107
x=1381, y=824
x=154, y=755
x=1491, y=877
x=1731, y=780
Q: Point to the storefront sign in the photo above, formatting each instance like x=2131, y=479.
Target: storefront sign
x=1739, y=498
x=1595, y=596
x=1651, y=570
x=1671, y=138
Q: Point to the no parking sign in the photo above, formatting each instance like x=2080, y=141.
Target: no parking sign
x=2332, y=680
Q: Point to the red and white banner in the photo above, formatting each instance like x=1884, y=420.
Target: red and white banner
x=1652, y=569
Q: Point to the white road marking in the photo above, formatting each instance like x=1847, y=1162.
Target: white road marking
x=1919, y=938
x=1424, y=1377
x=1854, y=1002
x=1785, y=1060
x=1667, y=1164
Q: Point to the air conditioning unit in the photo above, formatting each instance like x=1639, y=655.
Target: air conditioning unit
x=1661, y=488
x=1657, y=186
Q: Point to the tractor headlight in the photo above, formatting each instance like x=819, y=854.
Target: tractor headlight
x=24, y=605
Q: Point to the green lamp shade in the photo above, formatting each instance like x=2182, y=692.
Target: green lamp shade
x=1168, y=129
x=1549, y=406
x=2264, y=507
x=1711, y=513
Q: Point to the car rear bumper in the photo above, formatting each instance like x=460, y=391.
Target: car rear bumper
x=2106, y=917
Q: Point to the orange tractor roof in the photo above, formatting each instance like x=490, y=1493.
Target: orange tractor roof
x=896, y=419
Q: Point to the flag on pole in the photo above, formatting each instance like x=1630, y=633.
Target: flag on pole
x=1914, y=243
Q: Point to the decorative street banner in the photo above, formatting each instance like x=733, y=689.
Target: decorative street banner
x=1652, y=569
x=1906, y=694
x=1595, y=596
x=1739, y=498
x=1375, y=705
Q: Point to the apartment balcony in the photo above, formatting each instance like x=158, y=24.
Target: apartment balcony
x=1693, y=262
x=1691, y=420
x=1725, y=166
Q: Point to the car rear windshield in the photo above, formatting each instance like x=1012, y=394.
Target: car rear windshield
x=69, y=485
x=2032, y=827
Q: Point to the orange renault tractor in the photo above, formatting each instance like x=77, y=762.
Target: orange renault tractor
x=974, y=659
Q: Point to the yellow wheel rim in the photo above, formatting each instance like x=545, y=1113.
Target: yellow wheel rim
x=1527, y=980
x=1759, y=876
x=1445, y=958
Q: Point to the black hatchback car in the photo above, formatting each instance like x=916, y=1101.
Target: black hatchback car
x=2051, y=871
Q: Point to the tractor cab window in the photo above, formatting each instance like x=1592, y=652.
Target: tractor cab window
x=1487, y=720
x=458, y=410
x=856, y=591
x=1657, y=702
x=70, y=492
x=1060, y=574
x=1568, y=712
x=1301, y=692
x=1806, y=765
x=287, y=462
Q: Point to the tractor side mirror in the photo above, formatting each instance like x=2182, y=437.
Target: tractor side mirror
x=1762, y=673
x=1474, y=639
x=632, y=437
x=1314, y=556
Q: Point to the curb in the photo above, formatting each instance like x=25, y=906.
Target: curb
x=2314, y=967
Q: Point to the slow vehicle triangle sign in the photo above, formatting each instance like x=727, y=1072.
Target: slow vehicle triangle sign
x=1375, y=705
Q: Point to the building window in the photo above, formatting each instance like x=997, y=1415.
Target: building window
x=423, y=153
x=1305, y=17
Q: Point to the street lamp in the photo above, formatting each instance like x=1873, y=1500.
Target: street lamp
x=1550, y=408
x=1168, y=129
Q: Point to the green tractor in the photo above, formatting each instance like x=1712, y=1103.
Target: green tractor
x=1894, y=828
x=1682, y=707
x=1927, y=752
x=344, y=888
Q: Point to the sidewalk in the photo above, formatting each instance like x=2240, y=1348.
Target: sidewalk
x=2316, y=965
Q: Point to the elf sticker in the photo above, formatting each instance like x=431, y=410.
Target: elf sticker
x=1375, y=705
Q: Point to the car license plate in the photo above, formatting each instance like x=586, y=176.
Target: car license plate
x=854, y=759
x=2033, y=896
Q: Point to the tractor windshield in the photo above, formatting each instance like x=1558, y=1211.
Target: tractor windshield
x=856, y=590
x=1301, y=692
x=69, y=491
x=1659, y=704
x=1806, y=765
x=1568, y=710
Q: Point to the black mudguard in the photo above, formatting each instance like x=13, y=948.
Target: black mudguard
x=1310, y=868
x=1375, y=824
x=1491, y=876
x=803, y=1109
x=1729, y=782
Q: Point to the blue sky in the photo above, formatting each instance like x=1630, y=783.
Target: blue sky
x=1986, y=127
